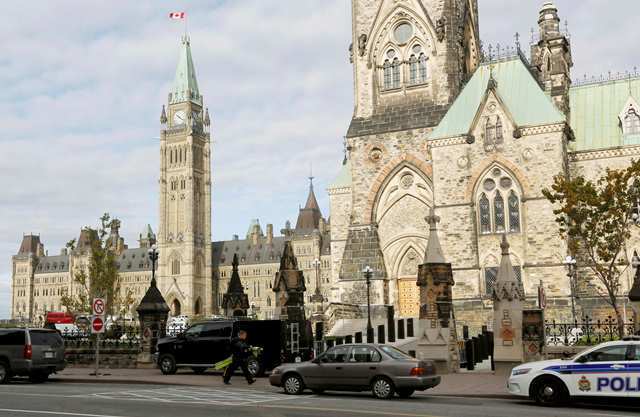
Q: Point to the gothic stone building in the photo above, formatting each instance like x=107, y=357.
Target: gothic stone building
x=438, y=125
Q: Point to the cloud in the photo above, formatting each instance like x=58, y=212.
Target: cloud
x=83, y=84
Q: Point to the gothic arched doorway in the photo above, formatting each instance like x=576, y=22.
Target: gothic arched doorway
x=197, y=307
x=176, y=308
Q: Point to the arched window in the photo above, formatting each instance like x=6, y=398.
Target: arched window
x=495, y=215
x=489, y=132
x=498, y=209
x=413, y=70
x=514, y=213
x=388, y=78
x=499, y=135
x=268, y=301
x=632, y=123
x=485, y=214
x=396, y=72
x=422, y=63
x=175, y=267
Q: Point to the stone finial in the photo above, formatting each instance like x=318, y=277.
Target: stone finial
x=433, y=254
x=163, y=116
x=207, y=119
x=507, y=286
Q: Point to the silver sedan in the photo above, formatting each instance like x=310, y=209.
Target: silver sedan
x=382, y=369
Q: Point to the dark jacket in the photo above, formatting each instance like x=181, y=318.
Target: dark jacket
x=240, y=349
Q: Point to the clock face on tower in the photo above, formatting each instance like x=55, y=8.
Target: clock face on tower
x=179, y=118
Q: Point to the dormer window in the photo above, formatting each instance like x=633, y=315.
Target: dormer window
x=631, y=122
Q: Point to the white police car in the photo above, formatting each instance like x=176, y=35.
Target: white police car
x=611, y=369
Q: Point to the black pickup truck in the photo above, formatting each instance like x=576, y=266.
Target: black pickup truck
x=205, y=343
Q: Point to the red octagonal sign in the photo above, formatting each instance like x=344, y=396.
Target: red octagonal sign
x=97, y=325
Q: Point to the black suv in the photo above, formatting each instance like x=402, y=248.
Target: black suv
x=208, y=342
x=35, y=353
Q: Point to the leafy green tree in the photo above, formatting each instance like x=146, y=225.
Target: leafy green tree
x=100, y=278
x=595, y=219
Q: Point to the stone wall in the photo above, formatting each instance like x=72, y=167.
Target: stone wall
x=109, y=358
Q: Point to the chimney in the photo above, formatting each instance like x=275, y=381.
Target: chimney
x=235, y=237
x=40, y=251
x=255, y=236
x=269, y=234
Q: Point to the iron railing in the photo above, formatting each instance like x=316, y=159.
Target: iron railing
x=587, y=332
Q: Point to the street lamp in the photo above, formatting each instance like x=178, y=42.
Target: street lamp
x=368, y=272
x=153, y=255
x=572, y=273
x=317, y=296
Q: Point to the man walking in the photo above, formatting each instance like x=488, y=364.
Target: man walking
x=240, y=350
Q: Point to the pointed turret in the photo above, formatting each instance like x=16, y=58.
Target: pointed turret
x=185, y=84
x=309, y=216
x=163, y=116
x=235, y=285
x=289, y=286
x=433, y=254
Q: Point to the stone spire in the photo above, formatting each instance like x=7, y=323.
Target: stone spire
x=289, y=287
x=235, y=302
x=309, y=216
x=163, y=116
x=185, y=84
x=507, y=286
x=433, y=254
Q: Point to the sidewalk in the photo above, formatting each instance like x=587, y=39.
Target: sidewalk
x=478, y=384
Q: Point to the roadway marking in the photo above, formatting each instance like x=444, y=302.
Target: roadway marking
x=56, y=413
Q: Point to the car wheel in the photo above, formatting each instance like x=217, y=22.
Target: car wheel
x=199, y=371
x=549, y=392
x=254, y=367
x=405, y=393
x=5, y=374
x=382, y=388
x=293, y=384
x=167, y=365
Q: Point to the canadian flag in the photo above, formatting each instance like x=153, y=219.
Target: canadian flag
x=177, y=15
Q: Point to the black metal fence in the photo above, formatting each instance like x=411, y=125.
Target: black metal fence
x=586, y=332
x=116, y=337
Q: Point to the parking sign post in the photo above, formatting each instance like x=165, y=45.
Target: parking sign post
x=97, y=326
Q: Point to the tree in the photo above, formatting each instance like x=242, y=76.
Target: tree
x=595, y=219
x=100, y=277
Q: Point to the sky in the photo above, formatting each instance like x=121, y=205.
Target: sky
x=82, y=84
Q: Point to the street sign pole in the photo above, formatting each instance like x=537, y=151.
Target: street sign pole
x=97, y=327
x=98, y=355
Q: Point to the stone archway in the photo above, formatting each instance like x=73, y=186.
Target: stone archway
x=197, y=307
x=176, y=308
x=403, y=201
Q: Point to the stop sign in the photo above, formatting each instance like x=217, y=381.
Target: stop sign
x=97, y=325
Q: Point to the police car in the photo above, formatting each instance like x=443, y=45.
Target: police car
x=611, y=369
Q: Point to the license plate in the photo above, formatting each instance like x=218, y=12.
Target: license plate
x=49, y=355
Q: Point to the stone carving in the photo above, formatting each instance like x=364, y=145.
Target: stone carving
x=362, y=44
x=406, y=181
x=375, y=155
x=410, y=266
x=441, y=28
x=463, y=162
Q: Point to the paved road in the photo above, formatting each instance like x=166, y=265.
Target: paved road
x=115, y=400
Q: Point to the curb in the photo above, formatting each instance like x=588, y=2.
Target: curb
x=113, y=381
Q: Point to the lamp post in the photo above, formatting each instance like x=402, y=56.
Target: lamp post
x=153, y=255
x=572, y=272
x=317, y=296
x=368, y=272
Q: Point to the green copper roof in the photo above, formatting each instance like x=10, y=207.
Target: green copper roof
x=185, y=85
x=344, y=176
x=521, y=94
x=595, y=111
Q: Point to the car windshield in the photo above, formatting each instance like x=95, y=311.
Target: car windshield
x=395, y=353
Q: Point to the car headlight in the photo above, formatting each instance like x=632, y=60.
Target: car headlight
x=520, y=371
